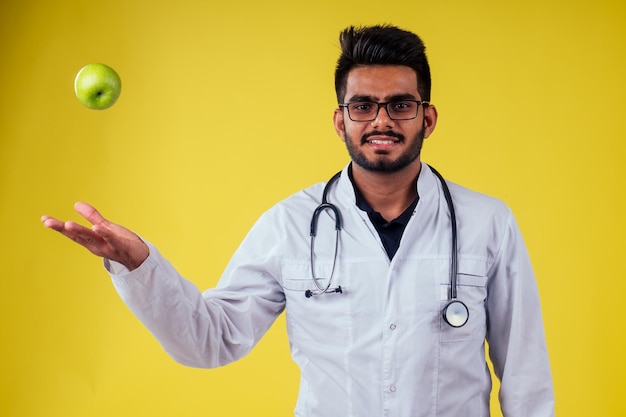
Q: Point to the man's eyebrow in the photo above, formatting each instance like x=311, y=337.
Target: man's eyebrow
x=361, y=98
x=399, y=97
x=358, y=98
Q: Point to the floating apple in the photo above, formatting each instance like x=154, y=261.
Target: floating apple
x=97, y=86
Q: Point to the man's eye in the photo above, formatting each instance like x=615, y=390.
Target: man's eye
x=362, y=107
x=402, y=106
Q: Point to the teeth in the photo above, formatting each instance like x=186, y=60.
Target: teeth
x=381, y=142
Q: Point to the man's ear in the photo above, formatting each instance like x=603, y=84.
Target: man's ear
x=430, y=119
x=338, y=121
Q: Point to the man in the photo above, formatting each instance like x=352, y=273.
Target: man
x=366, y=295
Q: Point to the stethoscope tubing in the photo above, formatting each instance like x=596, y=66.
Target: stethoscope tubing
x=455, y=312
x=325, y=205
x=454, y=251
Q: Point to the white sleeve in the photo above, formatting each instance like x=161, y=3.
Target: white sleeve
x=199, y=329
x=515, y=333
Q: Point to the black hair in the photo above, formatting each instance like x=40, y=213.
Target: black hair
x=381, y=45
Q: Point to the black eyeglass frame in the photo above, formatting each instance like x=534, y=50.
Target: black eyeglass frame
x=385, y=104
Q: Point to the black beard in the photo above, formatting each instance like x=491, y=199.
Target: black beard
x=383, y=164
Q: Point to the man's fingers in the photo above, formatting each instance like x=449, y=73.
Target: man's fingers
x=52, y=223
x=104, y=232
x=89, y=212
x=78, y=233
x=69, y=229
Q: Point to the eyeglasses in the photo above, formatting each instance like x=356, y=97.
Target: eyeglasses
x=367, y=111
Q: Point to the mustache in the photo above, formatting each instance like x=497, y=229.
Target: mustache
x=390, y=133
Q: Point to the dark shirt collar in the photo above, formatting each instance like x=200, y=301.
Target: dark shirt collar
x=362, y=204
x=390, y=232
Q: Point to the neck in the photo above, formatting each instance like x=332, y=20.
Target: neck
x=388, y=193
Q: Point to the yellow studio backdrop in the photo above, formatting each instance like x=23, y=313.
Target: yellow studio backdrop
x=226, y=108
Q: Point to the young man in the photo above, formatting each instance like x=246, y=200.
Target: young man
x=390, y=285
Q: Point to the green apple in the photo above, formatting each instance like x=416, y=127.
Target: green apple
x=97, y=86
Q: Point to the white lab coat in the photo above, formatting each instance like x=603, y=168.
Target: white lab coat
x=380, y=348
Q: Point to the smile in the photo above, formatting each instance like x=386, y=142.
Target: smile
x=382, y=142
x=378, y=138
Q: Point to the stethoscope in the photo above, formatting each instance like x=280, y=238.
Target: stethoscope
x=455, y=312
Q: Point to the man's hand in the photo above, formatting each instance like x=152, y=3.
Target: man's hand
x=104, y=239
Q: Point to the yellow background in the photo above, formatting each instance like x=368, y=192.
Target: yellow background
x=226, y=108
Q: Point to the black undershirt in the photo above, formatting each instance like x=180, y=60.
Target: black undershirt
x=390, y=232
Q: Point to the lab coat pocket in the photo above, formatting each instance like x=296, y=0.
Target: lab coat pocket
x=472, y=291
x=318, y=319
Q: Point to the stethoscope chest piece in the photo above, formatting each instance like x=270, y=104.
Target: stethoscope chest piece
x=456, y=313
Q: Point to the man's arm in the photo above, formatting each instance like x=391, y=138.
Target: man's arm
x=196, y=329
x=515, y=333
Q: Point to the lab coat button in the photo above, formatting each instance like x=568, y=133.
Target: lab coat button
x=392, y=326
x=392, y=388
